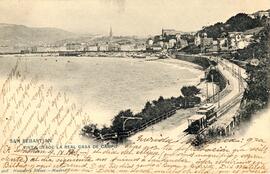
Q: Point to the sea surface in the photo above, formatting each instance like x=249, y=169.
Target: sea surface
x=104, y=86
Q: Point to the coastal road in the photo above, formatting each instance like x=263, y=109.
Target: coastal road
x=231, y=103
x=234, y=74
x=175, y=125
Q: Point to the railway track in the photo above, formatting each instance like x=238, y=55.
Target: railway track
x=228, y=105
x=236, y=99
x=220, y=112
x=185, y=136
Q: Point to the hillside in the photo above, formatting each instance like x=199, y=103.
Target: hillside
x=240, y=22
x=20, y=35
x=256, y=96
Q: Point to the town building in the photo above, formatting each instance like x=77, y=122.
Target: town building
x=223, y=44
x=92, y=48
x=266, y=22
x=33, y=49
x=102, y=47
x=156, y=47
x=254, y=62
x=242, y=44
x=181, y=43
x=197, y=40
x=113, y=47
x=206, y=43
x=160, y=43
x=169, y=39
x=73, y=47
x=261, y=14
x=25, y=51
x=235, y=40
x=149, y=43
x=168, y=32
x=172, y=43
x=214, y=47
x=139, y=47
x=127, y=47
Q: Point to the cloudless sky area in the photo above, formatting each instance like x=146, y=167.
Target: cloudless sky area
x=127, y=17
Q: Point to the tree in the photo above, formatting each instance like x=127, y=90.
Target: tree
x=147, y=106
x=214, y=31
x=240, y=22
x=117, y=123
x=249, y=109
x=215, y=74
x=190, y=91
x=105, y=130
x=160, y=99
x=257, y=94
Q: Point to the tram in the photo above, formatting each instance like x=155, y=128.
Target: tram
x=205, y=116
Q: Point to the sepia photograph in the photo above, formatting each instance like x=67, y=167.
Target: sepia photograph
x=135, y=86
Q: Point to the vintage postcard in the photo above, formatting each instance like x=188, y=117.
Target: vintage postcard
x=134, y=86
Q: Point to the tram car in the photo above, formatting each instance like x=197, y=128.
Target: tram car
x=205, y=116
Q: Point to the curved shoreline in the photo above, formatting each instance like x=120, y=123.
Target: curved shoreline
x=149, y=79
x=116, y=133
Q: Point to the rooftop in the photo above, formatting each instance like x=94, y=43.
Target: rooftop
x=207, y=106
x=196, y=117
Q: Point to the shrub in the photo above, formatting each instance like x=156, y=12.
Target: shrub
x=199, y=140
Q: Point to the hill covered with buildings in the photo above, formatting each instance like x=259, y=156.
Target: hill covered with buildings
x=237, y=33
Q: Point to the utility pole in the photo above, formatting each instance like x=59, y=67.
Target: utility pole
x=213, y=87
x=206, y=92
x=218, y=96
x=232, y=69
x=206, y=88
x=218, y=87
x=240, y=78
x=239, y=82
x=218, y=92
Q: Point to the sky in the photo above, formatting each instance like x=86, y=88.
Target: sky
x=126, y=17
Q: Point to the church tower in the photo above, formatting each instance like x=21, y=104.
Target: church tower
x=111, y=33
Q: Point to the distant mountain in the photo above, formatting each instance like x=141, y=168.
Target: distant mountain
x=20, y=35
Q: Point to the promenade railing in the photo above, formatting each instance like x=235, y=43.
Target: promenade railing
x=124, y=134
